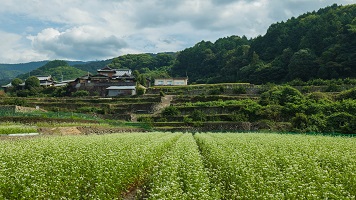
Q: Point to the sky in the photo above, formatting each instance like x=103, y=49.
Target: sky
x=35, y=30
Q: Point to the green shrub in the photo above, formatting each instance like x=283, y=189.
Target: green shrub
x=300, y=122
x=306, y=89
x=140, y=90
x=170, y=111
x=317, y=96
x=198, y=116
x=333, y=87
x=16, y=101
x=348, y=94
x=239, y=117
x=316, y=123
x=162, y=119
x=239, y=90
x=281, y=95
x=81, y=93
x=341, y=122
x=161, y=93
x=187, y=120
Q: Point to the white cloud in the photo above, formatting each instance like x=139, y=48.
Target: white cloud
x=12, y=51
x=83, y=43
x=97, y=29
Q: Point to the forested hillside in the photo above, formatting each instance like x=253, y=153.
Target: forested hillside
x=10, y=71
x=319, y=44
x=58, y=69
x=92, y=66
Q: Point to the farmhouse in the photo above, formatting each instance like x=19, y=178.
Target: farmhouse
x=46, y=80
x=171, y=81
x=108, y=82
x=114, y=73
x=121, y=90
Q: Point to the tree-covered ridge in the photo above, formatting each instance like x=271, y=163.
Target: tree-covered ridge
x=319, y=44
x=58, y=69
x=10, y=71
x=92, y=66
x=143, y=62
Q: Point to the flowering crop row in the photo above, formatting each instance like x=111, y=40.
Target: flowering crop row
x=179, y=166
x=272, y=166
x=181, y=173
x=77, y=167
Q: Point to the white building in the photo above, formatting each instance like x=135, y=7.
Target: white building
x=171, y=81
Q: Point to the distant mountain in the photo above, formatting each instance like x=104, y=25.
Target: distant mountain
x=58, y=69
x=92, y=66
x=11, y=71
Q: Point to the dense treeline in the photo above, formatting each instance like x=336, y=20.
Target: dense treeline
x=319, y=44
x=146, y=65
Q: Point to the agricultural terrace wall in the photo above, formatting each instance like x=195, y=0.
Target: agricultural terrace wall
x=223, y=126
x=32, y=120
x=14, y=109
x=210, y=110
x=193, y=99
x=204, y=89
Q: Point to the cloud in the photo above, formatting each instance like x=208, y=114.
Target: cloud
x=99, y=29
x=13, y=51
x=79, y=43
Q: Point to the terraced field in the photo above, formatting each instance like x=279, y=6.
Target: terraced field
x=179, y=166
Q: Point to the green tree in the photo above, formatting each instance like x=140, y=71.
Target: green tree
x=303, y=65
x=16, y=82
x=281, y=95
x=32, y=82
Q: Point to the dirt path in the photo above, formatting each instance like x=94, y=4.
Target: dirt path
x=165, y=102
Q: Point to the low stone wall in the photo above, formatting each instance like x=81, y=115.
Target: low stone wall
x=8, y=109
x=32, y=120
x=87, y=130
x=13, y=109
x=221, y=126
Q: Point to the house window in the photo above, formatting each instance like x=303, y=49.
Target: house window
x=179, y=83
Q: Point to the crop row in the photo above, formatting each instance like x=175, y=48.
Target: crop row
x=77, y=167
x=272, y=166
x=179, y=166
x=181, y=173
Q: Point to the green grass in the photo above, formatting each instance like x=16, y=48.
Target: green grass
x=12, y=128
x=60, y=115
